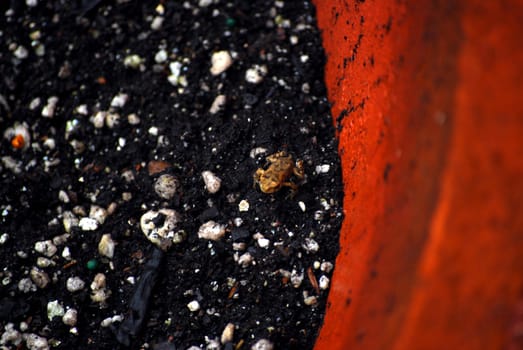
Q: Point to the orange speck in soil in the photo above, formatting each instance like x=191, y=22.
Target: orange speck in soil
x=18, y=141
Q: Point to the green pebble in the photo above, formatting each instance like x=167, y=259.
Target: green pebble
x=230, y=22
x=92, y=264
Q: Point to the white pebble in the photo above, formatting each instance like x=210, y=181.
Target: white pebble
x=162, y=236
x=296, y=278
x=12, y=164
x=193, y=306
x=106, y=322
x=99, y=293
x=21, y=52
x=255, y=74
x=11, y=335
x=74, y=284
x=39, y=277
x=63, y=196
x=228, y=333
x=70, y=317
x=99, y=281
x=257, y=151
x=310, y=300
x=238, y=246
x=261, y=240
x=98, y=213
x=3, y=238
x=176, y=69
x=161, y=56
x=218, y=104
x=66, y=253
x=81, y=109
x=220, y=62
x=212, y=182
x=50, y=143
x=245, y=259
x=50, y=107
x=31, y=3
x=44, y=262
x=121, y=142
x=133, y=119
x=132, y=61
x=35, y=103
x=6, y=280
x=306, y=88
x=318, y=215
x=243, y=205
x=302, y=206
x=35, y=342
x=78, y=146
x=119, y=100
x=211, y=230
x=324, y=282
x=153, y=130
x=100, y=296
x=212, y=344
x=322, y=169
x=326, y=266
x=166, y=186
x=157, y=22
x=112, y=120
x=88, y=224
x=325, y=204
x=40, y=49
x=25, y=285
x=160, y=9
x=117, y=318
x=46, y=248
x=98, y=120
x=54, y=309
x=204, y=3
x=106, y=246
x=263, y=344
x=310, y=245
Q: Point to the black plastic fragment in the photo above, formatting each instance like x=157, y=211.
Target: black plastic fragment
x=208, y=214
x=240, y=234
x=87, y=5
x=139, y=303
x=12, y=308
x=164, y=346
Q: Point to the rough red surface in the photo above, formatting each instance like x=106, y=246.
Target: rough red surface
x=427, y=96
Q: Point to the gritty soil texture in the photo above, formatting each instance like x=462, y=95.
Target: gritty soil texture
x=76, y=52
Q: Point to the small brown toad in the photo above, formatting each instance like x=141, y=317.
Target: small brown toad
x=281, y=168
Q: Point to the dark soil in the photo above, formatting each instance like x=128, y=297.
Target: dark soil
x=78, y=56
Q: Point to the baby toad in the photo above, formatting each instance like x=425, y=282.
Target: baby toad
x=281, y=168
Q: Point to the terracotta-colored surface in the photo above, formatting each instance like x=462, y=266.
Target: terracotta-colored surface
x=429, y=99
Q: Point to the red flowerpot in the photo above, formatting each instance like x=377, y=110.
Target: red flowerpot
x=428, y=99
